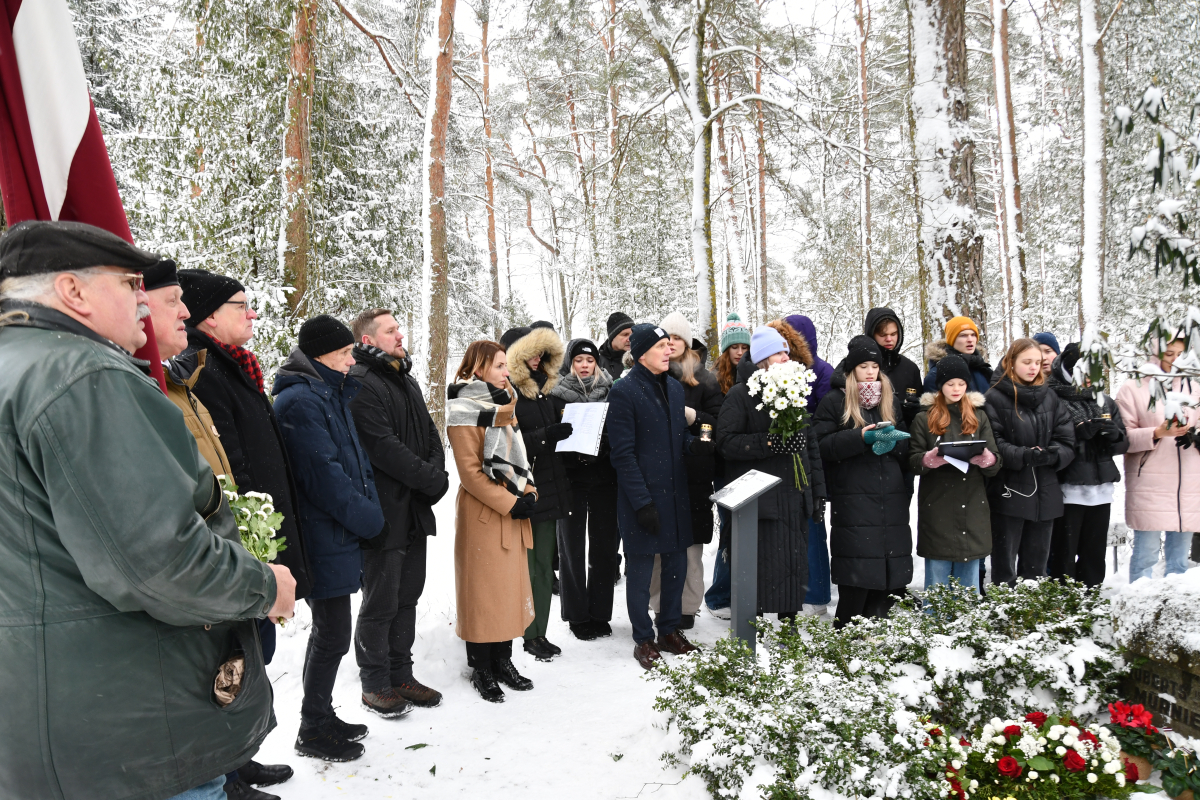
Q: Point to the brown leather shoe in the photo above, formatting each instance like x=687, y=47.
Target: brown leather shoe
x=647, y=654
x=676, y=643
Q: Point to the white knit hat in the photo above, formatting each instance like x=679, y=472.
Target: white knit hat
x=676, y=324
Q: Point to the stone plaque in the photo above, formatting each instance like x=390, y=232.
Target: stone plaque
x=1170, y=692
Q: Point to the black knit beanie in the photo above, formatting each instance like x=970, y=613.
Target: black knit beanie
x=644, y=337
x=617, y=322
x=861, y=349
x=204, y=292
x=951, y=367
x=581, y=347
x=160, y=275
x=541, y=323
x=324, y=334
x=514, y=335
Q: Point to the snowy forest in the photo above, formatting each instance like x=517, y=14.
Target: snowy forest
x=475, y=164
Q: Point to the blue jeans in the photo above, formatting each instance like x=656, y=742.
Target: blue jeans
x=939, y=573
x=1146, y=545
x=213, y=790
x=639, y=568
x=818, y=565
x=719, y=595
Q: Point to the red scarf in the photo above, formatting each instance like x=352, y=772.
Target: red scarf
x=246, y=360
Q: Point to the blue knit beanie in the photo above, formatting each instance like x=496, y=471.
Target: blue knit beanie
x=766, y=342
x=643, y=337
x=1048, y=339
x=734, y=331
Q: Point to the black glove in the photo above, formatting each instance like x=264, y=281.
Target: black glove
x=523, y=508
x=819, y=511
x=558, y=431
x=377, y=541
x=1187, y=440
x=1038, y=458
x=647, y=517
x=700, y=447
x=1088, y=428
x=1110, y=430
x=793, y=445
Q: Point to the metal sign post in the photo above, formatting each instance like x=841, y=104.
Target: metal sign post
x=740, y=498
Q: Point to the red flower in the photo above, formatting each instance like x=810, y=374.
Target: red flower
x=1088, y=736
x=963, y=741
x=956, y=790
x=1012, y=730
x=935, y=732
x=1036, y=717
x=1128, y=716
x=1131, y=772
x=1074, y=762
x=1009, y=767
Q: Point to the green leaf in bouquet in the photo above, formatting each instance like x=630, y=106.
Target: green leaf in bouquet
x=1041, y=764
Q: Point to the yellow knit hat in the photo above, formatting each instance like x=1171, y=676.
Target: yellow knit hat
x=956, y=326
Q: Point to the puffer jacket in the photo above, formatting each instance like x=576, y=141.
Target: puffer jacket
x=338, y=502
x=981, y=370
x=1036, y=419
x=583, y=469
x=1094, y=458
x=181, y=375
x=1162, y=480
x=901, y=371
x=705, y=398
x=123, y=582
x=537, y=410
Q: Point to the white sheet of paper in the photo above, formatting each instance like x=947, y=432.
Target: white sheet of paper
x=587, y=421
x=958, y=463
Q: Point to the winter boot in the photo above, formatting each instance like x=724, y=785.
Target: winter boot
x=349, y=731
x=507, y=674
x=257, y=774
x=240, y=790
x=326, y=743
x=485, y=683
x=539, y=651
x=387, y=703
x=583, y=631
x=418, y=693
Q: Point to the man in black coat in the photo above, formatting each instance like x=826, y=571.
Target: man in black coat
x=231, y=388
x=402, y=442
x=612, y=352
x=648, y=432
x=884, y=326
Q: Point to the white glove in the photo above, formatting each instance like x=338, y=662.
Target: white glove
x=689, y=414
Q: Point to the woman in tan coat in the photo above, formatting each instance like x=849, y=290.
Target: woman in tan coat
x=491, y=521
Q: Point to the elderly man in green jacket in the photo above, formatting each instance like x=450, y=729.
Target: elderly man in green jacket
x=124, y=590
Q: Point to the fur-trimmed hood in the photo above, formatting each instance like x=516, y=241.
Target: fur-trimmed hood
x=938, y=349
x=542, y=342
x=977, y=399
x=797, y=346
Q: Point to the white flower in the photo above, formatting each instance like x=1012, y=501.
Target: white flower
x=1120, y=779
x=1092, y=777
x=1112, y=767
x=1053, y=777
x=1060, y=751
x=1056, y=732
x=998, y=740
x=1033, y=776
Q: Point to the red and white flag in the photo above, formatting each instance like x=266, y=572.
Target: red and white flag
x=53, y=161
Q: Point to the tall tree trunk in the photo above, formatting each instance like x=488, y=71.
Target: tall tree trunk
x=436, y=297
x=760, y=122
x=702, y=254
x=489, y=177
x=950, y=229
x=1003, y=260
x=297, y=151
x=866, y=283
x=1094, y=201
x=734, y=294
x=928, y=324
x=589, y=209
x=1014, y=224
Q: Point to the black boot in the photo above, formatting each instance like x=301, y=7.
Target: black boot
x=584, y=631
x=257, y=774
x=349, y=731
x=327, y=744
x=240, y=790
x=687, y=622
x=538, y=650
x=507, y=674
x=485, y=683
x=551, y=646
x=601, y=628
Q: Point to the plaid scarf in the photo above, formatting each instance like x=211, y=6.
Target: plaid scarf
x=246, y=360
x=473, y=404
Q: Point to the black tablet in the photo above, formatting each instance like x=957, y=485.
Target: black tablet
x=963, y=451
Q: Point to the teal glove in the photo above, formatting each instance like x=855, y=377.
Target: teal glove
x=884, y=440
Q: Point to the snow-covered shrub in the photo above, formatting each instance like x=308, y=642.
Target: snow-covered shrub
x=844, y=710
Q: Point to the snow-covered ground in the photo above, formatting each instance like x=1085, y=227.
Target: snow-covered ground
x=587, y=730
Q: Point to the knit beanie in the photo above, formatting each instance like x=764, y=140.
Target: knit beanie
x=324, y=334
x=617, y=322
x=204, y=292
x=957, y=325
x=541, y=323
x=734, y=331
x=644, y=337
x=951, y=367
x=160, y=275
x=766, y=342
x=676, y=324
x=513, y=335
x=1049, y=339
x=861, y=350
x=581, y=347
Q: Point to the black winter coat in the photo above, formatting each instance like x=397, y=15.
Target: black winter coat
x=649, y=437
x=338, y=501
x=1094, y=461
x=252, y=440
x=1037, y=419
x=901, y=370
x=706, y=399
x=536, y=410
x=594, y=472
x=981, y=370
x=402, y=441
x=612, y=361
x=870, y=545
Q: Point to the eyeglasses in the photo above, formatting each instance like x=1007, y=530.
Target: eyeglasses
x=243, y=303
x=134, y=279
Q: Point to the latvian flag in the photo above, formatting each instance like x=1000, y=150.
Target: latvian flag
x=53, y=161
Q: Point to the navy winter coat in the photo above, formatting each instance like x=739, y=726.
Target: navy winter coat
x=648, y=433
x=338, y=502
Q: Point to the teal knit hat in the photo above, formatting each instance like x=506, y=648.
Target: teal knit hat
x=734, y=331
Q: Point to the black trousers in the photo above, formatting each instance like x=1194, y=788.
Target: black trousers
x=855, y=601
x=1020, y=548
x=587, y=549
x=482, y=655
x=387, y=619
x=328, y=642
x=1078, y=542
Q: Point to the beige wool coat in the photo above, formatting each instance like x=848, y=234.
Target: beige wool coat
x=491, y=568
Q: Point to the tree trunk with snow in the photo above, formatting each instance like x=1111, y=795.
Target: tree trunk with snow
x=488, y=176
x=1092, y=261
x=761, y=149
x=1010, y=177
x=866, y=283
x=735, y=283
x=946, y=162
x=297, y=152
x=928, y=323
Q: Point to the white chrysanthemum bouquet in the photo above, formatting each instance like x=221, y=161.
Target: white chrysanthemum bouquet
x=784, y=389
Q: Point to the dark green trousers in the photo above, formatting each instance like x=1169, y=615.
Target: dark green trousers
x=541, y=575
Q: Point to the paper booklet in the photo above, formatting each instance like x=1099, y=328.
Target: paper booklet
x=587, y=420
